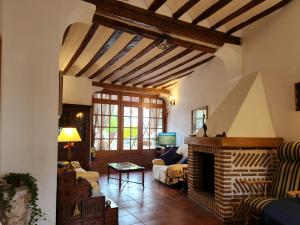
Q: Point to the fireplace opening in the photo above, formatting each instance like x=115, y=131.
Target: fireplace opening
x=207, y=173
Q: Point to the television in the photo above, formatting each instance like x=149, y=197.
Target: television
x=167, y=139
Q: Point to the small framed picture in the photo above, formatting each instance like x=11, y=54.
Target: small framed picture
x=297, y=95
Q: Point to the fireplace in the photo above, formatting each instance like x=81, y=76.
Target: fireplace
x=218, y=166
x=206, y=175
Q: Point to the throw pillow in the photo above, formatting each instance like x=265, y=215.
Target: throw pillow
x=183, y=150
x=171, y=157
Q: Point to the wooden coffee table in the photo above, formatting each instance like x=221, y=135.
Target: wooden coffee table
x=125, y=167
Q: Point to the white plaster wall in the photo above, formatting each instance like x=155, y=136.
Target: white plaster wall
x=77, y=90
x=272, y=47
x=208, y=85
x=29, y=94
x=32, y=32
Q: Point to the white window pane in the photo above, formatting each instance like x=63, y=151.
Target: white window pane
x=97, y=121
x=127, y=111
x=134, y=144
x=152, y=112
x=105, y=109
x=114, y=97
x=97, y=144
x=114, y=110
x=105, y=96
x=153, y=133
x=152, y=143
x=146, y=112
x=97, y=108
x=114, y=144
x=105, y=132
x=126, y=144
x=152, y=123
x=126, y=121
x=159, y=123
x=127, y=98
x=113, y=132
x=146, y=100
x=105, y=144
x=146, y=133
x=153, y=100
x=134, y=122
x=105, y=121
x=134, y=112
x=159, y=113
x=136, y=99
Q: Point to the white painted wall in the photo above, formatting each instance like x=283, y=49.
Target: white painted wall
x=208, y=85
x=270, y=46
x=77, y=90
x=32, y=31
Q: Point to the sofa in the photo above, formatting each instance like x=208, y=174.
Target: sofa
x=91, y=176
x=171, y=173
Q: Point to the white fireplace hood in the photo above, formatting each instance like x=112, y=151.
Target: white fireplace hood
x=244, y=112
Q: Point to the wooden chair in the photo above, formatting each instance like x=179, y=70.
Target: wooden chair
x=286, y=182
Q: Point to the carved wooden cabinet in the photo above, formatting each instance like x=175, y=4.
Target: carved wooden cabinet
x=74, y=204
x=78, y=116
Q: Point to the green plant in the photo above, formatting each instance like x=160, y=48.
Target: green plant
x=8, y=192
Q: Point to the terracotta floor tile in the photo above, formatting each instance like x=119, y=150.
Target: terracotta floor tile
x=157, y=204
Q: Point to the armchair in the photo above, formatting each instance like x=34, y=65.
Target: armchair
x=171, y=174
x=286, y=182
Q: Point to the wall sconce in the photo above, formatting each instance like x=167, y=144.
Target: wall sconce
x=172, y=100
x=80, y=115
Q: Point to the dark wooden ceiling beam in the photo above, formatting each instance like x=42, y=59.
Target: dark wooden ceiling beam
x=151, y=46
x=161, y=65
x=172, y=79
x=156, y=4
x=107, y=45
x=184, y=8
x=66, y=34
x=150, y=91
x=179, y=72
x=118, y=56
x=156, y=22
x=81, y=47
x=259, y=16
x=118, y=25
x=141, y=66
x=237, y=13
x=211, y=10
x=173, y=68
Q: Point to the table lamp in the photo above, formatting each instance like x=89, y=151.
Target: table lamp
x=69, y=135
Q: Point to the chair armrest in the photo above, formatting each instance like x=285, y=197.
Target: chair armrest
x=159, y=162
x=293, y=194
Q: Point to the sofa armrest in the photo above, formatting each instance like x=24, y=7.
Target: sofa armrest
x=89, y=175
x=158, y=162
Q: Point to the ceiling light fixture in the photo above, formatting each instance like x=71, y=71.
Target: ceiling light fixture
x=163, y=43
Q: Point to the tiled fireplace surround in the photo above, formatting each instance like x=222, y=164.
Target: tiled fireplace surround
x=235, y=159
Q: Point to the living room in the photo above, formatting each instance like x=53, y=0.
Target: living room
x=249, y=90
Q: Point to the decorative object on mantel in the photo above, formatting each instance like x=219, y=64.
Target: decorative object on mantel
x=297, y=95
x=18, y=198
x=205, y=129
x=221, y=135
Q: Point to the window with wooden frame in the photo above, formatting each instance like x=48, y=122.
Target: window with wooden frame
x=126, y=121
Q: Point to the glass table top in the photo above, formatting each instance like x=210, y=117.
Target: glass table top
x=125, y=166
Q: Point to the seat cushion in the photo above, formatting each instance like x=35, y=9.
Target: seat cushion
x=257, y=203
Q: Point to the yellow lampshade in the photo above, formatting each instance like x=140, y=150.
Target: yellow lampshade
x=69, y=134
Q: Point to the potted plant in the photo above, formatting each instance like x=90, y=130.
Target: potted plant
x=8, y=191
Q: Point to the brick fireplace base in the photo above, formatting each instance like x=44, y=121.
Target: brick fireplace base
x=234, y=161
